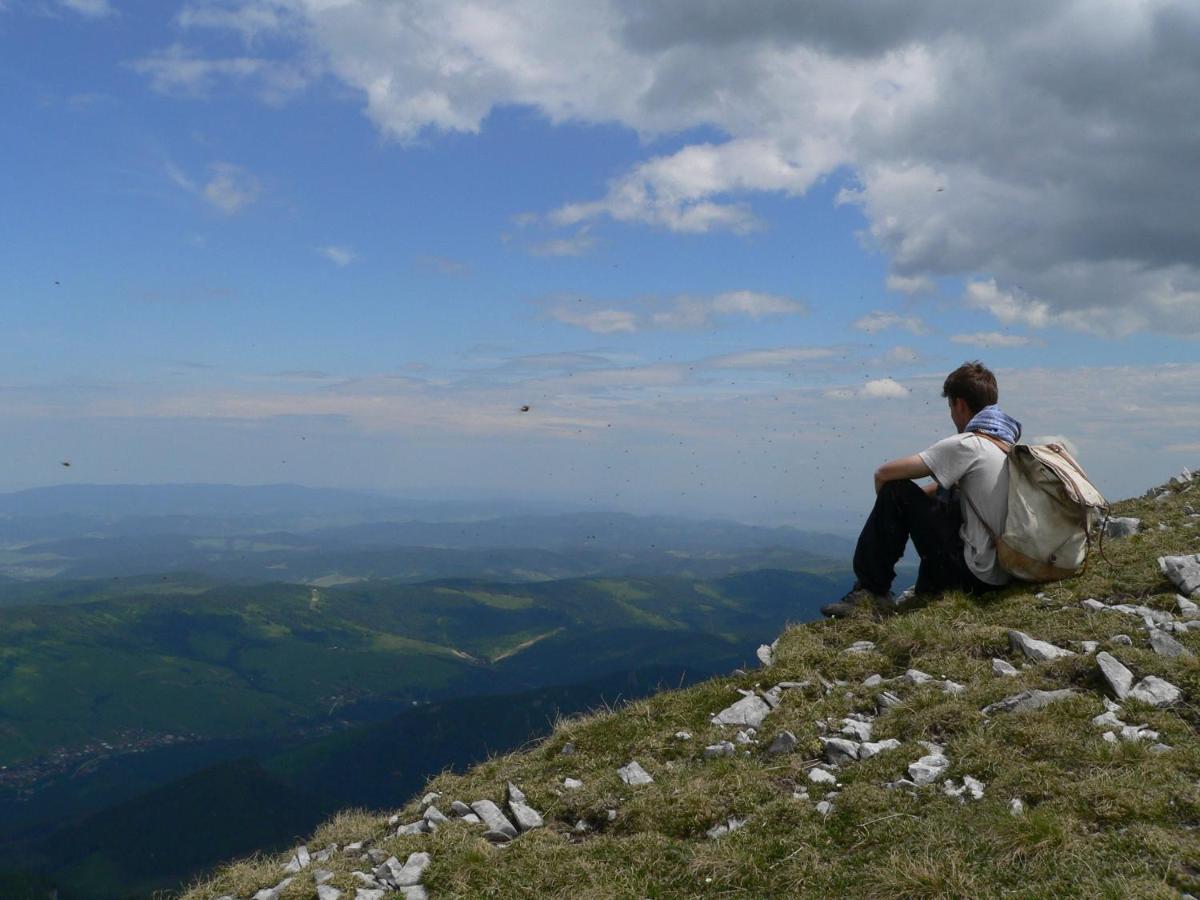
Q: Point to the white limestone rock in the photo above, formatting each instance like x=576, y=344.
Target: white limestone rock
x=683, y=735
x=1121, y=527
x=1184, y=572
x=971, y=788
x=858, y=729
x=1119, y=678
x=328, y=892
x=784, y=742
x=572, y=784
x=414, y=892
x=928, y=769
x=524, y=815
x=1003, y=669
x=887, y=700
x=320, y=876
x=514, y=792
x=1187, y=609
x=722, y=748
x=491, y=816
x=460, y=809
x=633, y=774
x=421, y=826
x=916, y=676
x=1027, y=701
x=1016, y=806
x=1038, y=651
x=1155, y=691
x=840, y=751
x=434, y=815
x=721, y=829
x=1110, y=737
x=821, y=776
x=874, y=748
x=824, y=807
x=300, y=860
x=749, y=711
x=272, y=893
x=1108, y=720
x=367, y=894
x=765, y=654
x=1165, y=645
x=861, y=647
x=1123, y=640
x=953, y=687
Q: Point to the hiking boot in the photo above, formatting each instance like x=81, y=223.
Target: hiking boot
x=858, y=598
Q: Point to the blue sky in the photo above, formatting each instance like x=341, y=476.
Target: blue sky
x=725, y=259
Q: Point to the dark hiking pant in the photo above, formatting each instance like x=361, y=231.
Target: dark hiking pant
x=903, y=511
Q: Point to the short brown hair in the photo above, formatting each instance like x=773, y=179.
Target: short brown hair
x=973, y=382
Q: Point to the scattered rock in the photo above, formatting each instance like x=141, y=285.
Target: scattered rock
x=1089, y=646
x=859, y=729
x=1155, y=691
x=1138, y=733
x=873, y=680
x=320, y=876
x=927, y=769
x=839, y=750
x=1160, y=748
x=1123, y=639
x=567, y=749
x=1121, y=527
x=496, y=837
x=272, y=893
x=459, y=808
x=1093, y=605
x=1003, y=669
x=328, y=892
x=414, y=892
x=1016, y=806
x=1108, y=720
x=300, y=860
x=633, y=774
x=472, y=819
x=784, y=742
x=572, y=784
x=873, y=748
x=1038, y=651
x=683, y=735
x=421, y=826
x=861, y=647
x=1110, y=736
x=916, y=676
x=723, y=828
x=1027, y=701
x=724, y=748
x=361, y=894
x=412, y=870
x=887, y=700
x=429, y=799
x=765, y=654
x=1187, y=609
x=953, y=687
x=970, y=787
x=434, y=815
x=524, y=815
x=1119, y=678
x=491, y=816
x=1184, y=572
x=1165, y=645
x=744, y=737
x=824, y=807
x=515, y=793
x=821, y=776
x=749, y=711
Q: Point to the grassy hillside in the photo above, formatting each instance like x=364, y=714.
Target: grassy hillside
x=235, y=660
x=1093, y=817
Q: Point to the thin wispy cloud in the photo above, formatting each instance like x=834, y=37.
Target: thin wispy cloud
x=577, y=244
x=230, y=188
x=338, y=254
x=875, y=322
x=992, y=339
x=682, y=313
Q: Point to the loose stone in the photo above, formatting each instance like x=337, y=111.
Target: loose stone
x=727, y=827
x=1119, y=678
x=840, y=751
x=821, y=776
x=1155, y=691
x=873, y=748
x=459, y=808
x=724, y=748
x=1038, y=651
x=491, y=816
x=572, y=784
x=328, y=892
x=1003, y=669
x=272, y=893
x=1121, y=527
x=927, y=769
x=824, y=807
x=765, y=654
x=887, y=700
x=1027, y=701
x=683, y=735
x=1184, y=572
x=300, y=859
x=1165, y=645
x=916, y=676
x=857, y=728
x=873, y=680
x=1187, y=609
x=784, y=742
x=1093, y=605
x=633, y=774
x=749, y=711
x=861, y=647
x=568, y=749
x=1110, y=736
x=1123, y=639
x=1016, y=806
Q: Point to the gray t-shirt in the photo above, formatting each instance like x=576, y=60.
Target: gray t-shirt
x=976, y=465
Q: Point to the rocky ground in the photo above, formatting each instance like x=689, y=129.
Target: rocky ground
x=1040, y=743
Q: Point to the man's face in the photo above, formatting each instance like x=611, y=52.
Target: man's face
x=960, y=413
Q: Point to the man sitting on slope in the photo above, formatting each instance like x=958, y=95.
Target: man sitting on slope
x=956, y=547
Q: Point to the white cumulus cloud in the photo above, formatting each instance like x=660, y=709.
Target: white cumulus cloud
x=231, y=188
x=337, y=254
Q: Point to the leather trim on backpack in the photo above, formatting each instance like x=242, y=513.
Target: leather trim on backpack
x=1027, y=568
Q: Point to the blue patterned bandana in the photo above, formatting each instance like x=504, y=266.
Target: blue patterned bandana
x=996, y=422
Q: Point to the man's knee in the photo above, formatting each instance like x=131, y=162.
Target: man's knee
x=900, y=490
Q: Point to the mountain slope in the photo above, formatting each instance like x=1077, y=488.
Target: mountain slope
x=1062, y=810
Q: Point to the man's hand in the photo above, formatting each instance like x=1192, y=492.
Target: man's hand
x=903, y=469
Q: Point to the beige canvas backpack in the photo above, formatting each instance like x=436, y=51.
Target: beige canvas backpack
x=1053, y=513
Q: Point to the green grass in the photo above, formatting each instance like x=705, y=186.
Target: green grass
x=1101, y=820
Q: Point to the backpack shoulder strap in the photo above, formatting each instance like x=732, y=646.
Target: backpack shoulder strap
x=1006, y=448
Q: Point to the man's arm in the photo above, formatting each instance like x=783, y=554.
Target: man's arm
x=903, y=469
